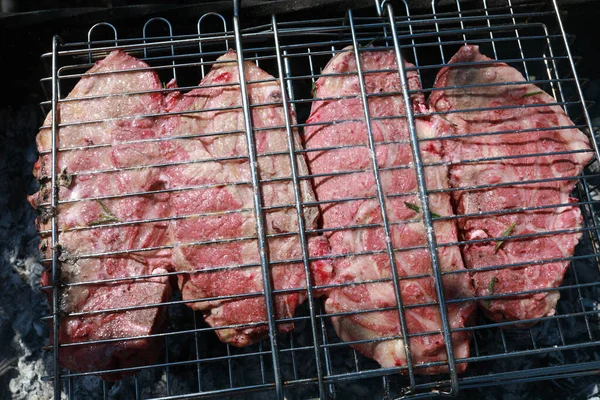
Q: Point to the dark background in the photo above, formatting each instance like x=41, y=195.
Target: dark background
x=26, y=31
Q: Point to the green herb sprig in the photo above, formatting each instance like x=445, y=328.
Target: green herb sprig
x=417, y=209
x=506, y=233
x=531, y=94
x=106, y=217
x=447, y=120
x=491, y=286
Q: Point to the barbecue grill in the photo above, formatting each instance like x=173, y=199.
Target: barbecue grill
x=312, y=361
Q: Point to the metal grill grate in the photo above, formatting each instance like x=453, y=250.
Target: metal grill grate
x=312, y=361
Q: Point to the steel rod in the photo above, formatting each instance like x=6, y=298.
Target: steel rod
x=431, y=242
x=56, y=278
x=258, y=214
x=292, y=145
x=382, y=203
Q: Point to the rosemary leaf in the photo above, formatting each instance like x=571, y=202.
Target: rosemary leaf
x=106, y=210
x=447, y=120
x=506, y=233
x=412, y=206
x=104, y=219
x=531, y=94
x=416, y=208
x=371, y=42
x=491, y=286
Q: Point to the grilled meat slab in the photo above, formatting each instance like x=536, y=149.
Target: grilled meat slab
x=215, y=228
x=533, y=151
x=96, y=120
x=353, y=213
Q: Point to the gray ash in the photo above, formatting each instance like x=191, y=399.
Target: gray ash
x=22, y=332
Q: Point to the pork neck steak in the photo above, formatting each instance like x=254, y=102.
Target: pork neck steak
x=215, y=228
x=530, y=151
x=95, y=121
x=338, y=121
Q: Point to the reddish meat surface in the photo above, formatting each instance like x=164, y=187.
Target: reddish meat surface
x=215, y=227
x=93, y=140
x=508, y=168
x=399, y=185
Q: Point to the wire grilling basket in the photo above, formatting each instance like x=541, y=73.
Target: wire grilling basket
x=312, y=361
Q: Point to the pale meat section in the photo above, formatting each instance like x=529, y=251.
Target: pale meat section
x=352, y=215
x=504, y=118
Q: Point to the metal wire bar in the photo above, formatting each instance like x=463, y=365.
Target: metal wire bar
x=424, y=200
x=381, y=198
x=259, y=216
x=505, y=353
x=369, y=37
x=299, y=177
x=197, y=350
x=577, y=286
x=170, y=27
x=234, y=132
x=89, y=42
x=299, y=209
x=425, y=19
x=473, y=110
x=199, y=28
x=518, y=40
x=445, y=244
x=56, y=278
x=167, y=366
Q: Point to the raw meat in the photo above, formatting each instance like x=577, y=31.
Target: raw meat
x=215, y=228
x=501, y=112
x=338, y=120
x=97, y=118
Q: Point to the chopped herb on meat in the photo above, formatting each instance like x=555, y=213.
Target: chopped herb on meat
x=447, y=120
x=491, y=286
x=412, y=206
x=416, y=208
x=506, y=233
x=371, y=42
x=105, y=217
x=531, y=94
x=103, y=220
